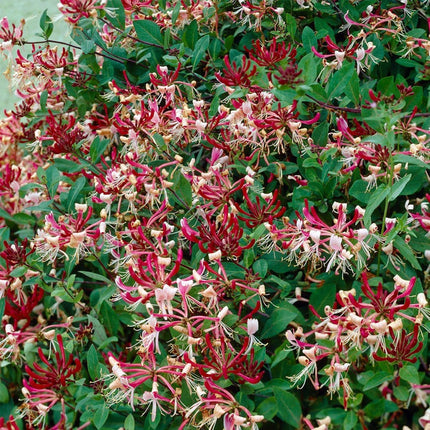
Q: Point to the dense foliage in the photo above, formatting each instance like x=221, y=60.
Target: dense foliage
x=215, y=214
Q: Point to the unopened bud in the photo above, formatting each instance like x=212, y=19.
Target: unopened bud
x=304, y=361
x=422, y=301
x=380, y=327
x=396, y=325
x=223, y=313
x=81, y=207
x=49, y=335
x=215, y=256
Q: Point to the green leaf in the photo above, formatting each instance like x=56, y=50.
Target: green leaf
x=118, y=18
x=409, y=374
x=398, y=187
x=96, y=276
x=43, y=100
x=68, y=166
x=215, y=48
x=286, y=96
x=406, y=62
x=258, y=232
x=109, y=318
x=23, y=218
x=97, y=148
x=107, y=342
x=200, y=50
x=352, y=88
x=289, y=408
x=129, y=423
x=320, y=134
x=376, y=198
x=402, y=393
x=386, y=85
x=62, y=294
x=44, y=206
x=92, y=362
x=100, y=416
x=406, y=252
x=350, y=420
x=159, y=141
x=291, y=24
x=311, y=162
x=45, y=24
x=279, y=356
x=358, y=190
x=214, y=106
x=337, y=83
x=4, y=393
x=409, y=159
x=99, y=295
x=279, y=320
x=281, y=284
x=276, y=264
x=75, y=192
x=2, y=307
x=377, y=380
x=53, y=177
x=248, y=257
x=318, y=91
x=379, y=407
x=260, y=267
x=375, y=408
x=5, y=215
x=175, y=12
x=323, y=296
x=190, y=36
x=99, y=335
x=310, y=64
x=277, y=383
x=70, y=262
x=149, y=32
x=18, y=272
x=88, y=46
x=309, y=39
x=268, y=408
x=182, y=190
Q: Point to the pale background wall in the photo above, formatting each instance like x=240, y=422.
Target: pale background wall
x=30, y=10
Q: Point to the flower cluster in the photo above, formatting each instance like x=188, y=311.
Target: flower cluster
x=192, y=191
x=374, y=326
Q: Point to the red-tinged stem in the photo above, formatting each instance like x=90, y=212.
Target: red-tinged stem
x=115, y=58
x=359, y=110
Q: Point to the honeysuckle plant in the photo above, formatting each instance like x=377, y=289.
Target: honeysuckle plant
x=216, y=214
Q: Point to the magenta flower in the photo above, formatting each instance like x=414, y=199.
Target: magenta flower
x=74, y=10
x=221, y=361
x=48, y=383
x=9, y=36
x=402, y=348
x=53, y=376
x=213, y=236
x=237, y=76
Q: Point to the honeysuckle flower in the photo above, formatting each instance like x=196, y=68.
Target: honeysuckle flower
x=74, y=10
x=251, y=329
x=173, y=185
x=425, y=419
x=48, y=383
x=337, y=380
x=10, y=36
x=310, y=239
x=164, y=298
x=152, y=400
